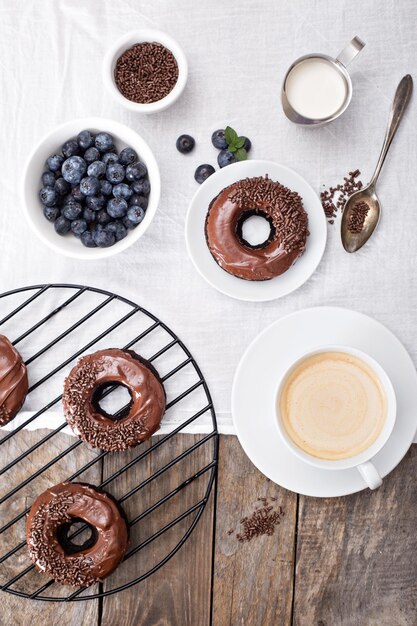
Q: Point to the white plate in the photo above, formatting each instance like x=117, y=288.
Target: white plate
x=265, y=362
x=255, y=291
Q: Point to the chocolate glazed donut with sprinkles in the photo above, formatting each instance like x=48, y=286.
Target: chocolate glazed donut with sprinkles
x=48, y=525
x=136, y=422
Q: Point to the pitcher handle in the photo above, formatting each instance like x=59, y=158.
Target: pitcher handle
x=350, y=51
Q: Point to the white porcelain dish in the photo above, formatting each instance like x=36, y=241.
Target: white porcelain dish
x=127, y=41
x=265, y=363
x=69, y=245
x=255, y=291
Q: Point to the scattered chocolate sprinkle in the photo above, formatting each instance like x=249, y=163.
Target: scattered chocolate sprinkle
x=334, y=199
x=145, y=73
x=262, y=521
x=357, y=217
x=285, y=207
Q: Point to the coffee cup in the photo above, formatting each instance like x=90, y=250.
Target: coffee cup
x=317, y=88
x=349, y=412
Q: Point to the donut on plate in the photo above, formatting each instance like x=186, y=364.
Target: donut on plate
x=285, y=213
x=47, y=528
x=13, y=381
x=82, y=391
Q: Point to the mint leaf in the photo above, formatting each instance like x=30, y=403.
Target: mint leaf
x=240, y=142
x=231, y=148
x=230, y=135
x=241, y=154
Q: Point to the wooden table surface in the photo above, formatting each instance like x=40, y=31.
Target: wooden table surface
x=344, y=561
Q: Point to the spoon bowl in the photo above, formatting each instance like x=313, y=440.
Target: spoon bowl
x=351, y=240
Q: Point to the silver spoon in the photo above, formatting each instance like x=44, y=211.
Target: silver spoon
x=352, y=241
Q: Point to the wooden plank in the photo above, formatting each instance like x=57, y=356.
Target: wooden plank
x=356, y=560
x=253, y=581
x=15, y=610
x=179, y=593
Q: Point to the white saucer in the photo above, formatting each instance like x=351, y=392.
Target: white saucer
x=255, y=291
x=265, y=361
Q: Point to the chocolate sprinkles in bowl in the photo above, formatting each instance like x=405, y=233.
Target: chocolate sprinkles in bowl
x=146, y=72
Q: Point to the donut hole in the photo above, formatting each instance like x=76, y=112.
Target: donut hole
x=76, y=536
x=255, y=229
x=115, y=405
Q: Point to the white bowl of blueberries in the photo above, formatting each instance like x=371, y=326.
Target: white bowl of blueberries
x=91, y=188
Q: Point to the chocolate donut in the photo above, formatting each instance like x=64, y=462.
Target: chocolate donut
x=13, y=381
x=97, y=371
x=284, y=211
x=49, y=521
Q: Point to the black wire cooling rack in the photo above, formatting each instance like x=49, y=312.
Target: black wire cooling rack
x=161, y=513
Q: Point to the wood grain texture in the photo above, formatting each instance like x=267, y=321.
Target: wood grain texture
x=356, y=563
x=179, y=593
x=253, y=581
x=19, y=611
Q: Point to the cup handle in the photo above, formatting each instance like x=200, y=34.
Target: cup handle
x=350, y=51
x=370, y=475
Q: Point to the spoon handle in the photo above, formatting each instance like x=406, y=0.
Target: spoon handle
x=399, y=105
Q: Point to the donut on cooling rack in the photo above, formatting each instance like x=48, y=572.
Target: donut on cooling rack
x=13, y=381
x=279, y=205
x=83, y=389
x=48, y=524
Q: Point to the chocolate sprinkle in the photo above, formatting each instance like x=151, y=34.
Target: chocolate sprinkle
x=285, y=207
x=146, y=73
x=262, y=521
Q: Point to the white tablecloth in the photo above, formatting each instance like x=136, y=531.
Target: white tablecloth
x=238, y=52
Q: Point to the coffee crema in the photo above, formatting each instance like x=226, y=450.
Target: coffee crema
x=333, y=405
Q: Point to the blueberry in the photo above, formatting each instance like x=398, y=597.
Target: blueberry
x=48, y=196
x=54, y=162
x=72, y=210
x=87, y=239
x=85, y=139
x=78, y=227
x=115, y=173
x=106, y=187
x=141, y=187
x=141, y=201
x=104, y=142
x=97, y=169
x=136, y=214
x=122, y=191
x=118, y=229
x=128, y=224
x=48, y=179
x=103, y=217
x=117, y=207
x=110, y=157
x=203, y=172
x=185, y=143
x=226, y=158
x=70, y=148
x=76, y=194
x=51, y=213
x=136, y=171
x=89, y=215
x=128, y=156
x=73, y=169
x=90, y=186
x=103, y=238
x=247, y=145
x=95, y=203
x=62, y=225
x=91, y=155
x=62, y=187
x=218, y=139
